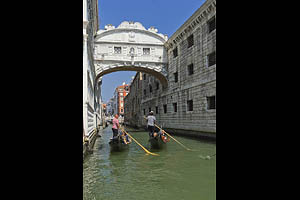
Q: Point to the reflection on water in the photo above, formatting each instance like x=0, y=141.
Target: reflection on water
x=132, y=174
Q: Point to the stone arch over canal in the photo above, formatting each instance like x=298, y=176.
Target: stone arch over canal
x=131, y=47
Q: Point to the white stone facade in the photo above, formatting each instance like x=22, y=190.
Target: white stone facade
x=188, y=104
x=92, y=109
x=131, y=47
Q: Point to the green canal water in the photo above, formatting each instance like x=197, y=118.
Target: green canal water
x=177, y=174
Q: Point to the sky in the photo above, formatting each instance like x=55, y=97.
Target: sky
x=165, y=15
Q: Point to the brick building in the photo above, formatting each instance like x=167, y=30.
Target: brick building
x=119, y=95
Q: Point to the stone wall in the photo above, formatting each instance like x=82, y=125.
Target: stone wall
x=132, y=103
x=198, y=85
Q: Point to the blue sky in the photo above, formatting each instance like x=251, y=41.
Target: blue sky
x=165, y=15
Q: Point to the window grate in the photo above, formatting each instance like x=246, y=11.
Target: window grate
x=190, y=105
x=190, y=40
x=191, y=69
x=211, y=102
x=212, y=59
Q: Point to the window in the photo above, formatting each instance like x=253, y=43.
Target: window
x=121, y=94
x=150, y=88
x=146, y=51
x=211, y=102
x=144, y=76
x=212, y=24
x=175, y=107
x=190, y=40
x=121, y=98
x=144, y=111
x=190, y=105
x=191, y=69
x=121, y=110
x=176, y=77
x=211, y=59
x=165, y=108
x=149, y=109
x=144, y=91
x=157, y=85
x=156, y=109
x=117, y=50
x=131, y=50
x=175, y=52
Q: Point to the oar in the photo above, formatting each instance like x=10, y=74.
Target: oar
x=172, y=137
x=207, y=157
x=154, y=154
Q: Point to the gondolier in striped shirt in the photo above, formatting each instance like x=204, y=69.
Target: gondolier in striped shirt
x=150, y=123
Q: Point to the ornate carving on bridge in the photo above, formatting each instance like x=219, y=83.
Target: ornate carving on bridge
x=140, y=50
x=131, y=25
x=152, y=29
x=109, y=27
x=131, y=36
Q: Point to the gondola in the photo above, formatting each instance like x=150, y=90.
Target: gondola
x=158, y=141
x=117, y=144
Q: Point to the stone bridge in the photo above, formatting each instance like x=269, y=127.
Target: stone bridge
x=130, y=47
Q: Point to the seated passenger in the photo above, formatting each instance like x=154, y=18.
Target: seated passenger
x=128, y=139
x=155, y=134
x=164, y=137
x=125, y=138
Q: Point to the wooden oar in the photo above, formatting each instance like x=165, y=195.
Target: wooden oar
x=172, y=137
x=154, y=154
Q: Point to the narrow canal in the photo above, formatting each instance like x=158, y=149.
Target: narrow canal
x=176, y=174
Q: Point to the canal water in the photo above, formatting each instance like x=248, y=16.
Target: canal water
x=177, y=174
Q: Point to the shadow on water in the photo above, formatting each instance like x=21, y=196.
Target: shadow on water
x=131, y=174
x=118, y=157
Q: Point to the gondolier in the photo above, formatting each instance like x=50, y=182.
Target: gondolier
x=119, y=142
x=116, y=126
x=150, y=123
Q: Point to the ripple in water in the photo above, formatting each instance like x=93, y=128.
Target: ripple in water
x=132, y=174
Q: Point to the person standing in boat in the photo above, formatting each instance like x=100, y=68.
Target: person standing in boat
x=116, y=126
x=150, y=123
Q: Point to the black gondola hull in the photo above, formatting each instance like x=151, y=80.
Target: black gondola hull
x=117, y=144
x=156, y=143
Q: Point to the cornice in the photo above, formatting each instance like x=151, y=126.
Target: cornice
x=151, y=32
x=127, y=43
x=128, y=63
x=191, y=23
